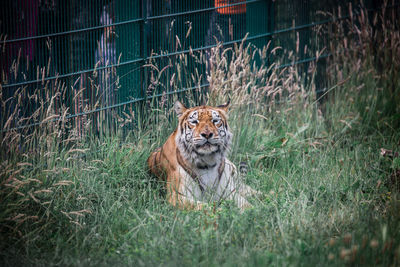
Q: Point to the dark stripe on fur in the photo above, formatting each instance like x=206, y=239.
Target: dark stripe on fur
x=205, y=167
x=188, y=170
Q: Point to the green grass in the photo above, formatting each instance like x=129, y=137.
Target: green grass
x=325, y=201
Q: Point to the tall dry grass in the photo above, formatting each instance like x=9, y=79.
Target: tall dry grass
x=42, y=140
x=365, y=54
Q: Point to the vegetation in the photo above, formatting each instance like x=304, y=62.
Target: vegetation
x=330, y=194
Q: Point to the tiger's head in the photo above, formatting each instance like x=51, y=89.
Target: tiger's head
x=203, y=132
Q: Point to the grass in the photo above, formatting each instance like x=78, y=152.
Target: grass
x=328, y=197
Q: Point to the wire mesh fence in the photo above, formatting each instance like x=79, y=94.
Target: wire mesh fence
x=109, y=56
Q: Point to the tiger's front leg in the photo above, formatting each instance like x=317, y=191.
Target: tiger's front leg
x=241, y=202
x=176, y=189
x=247, y=191
x=231, y=191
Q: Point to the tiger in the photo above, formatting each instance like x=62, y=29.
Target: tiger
x=193, y=160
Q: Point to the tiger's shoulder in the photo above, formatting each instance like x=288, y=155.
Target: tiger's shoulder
x=163, y=160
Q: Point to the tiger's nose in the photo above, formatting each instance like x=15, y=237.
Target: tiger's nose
x=207, y=134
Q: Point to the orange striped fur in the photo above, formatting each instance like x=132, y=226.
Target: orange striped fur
x=193, y=160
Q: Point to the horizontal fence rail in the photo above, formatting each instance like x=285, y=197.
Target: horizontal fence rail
x=110, y=44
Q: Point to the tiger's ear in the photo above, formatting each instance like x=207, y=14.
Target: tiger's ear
x=225, y=107
x=179, y=108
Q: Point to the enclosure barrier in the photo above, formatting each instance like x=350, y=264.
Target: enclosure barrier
x=106, y=49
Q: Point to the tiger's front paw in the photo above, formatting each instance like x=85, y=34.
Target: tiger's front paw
x=244, y=204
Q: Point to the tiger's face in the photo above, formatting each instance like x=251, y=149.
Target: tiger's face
x=203, y=130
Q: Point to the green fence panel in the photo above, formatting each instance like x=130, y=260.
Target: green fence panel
x=102, y=51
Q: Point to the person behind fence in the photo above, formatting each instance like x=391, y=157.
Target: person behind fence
x=17, y=60
x=105, y=58
x=227, y=23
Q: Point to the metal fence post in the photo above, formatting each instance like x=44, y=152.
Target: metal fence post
x=143, y=47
